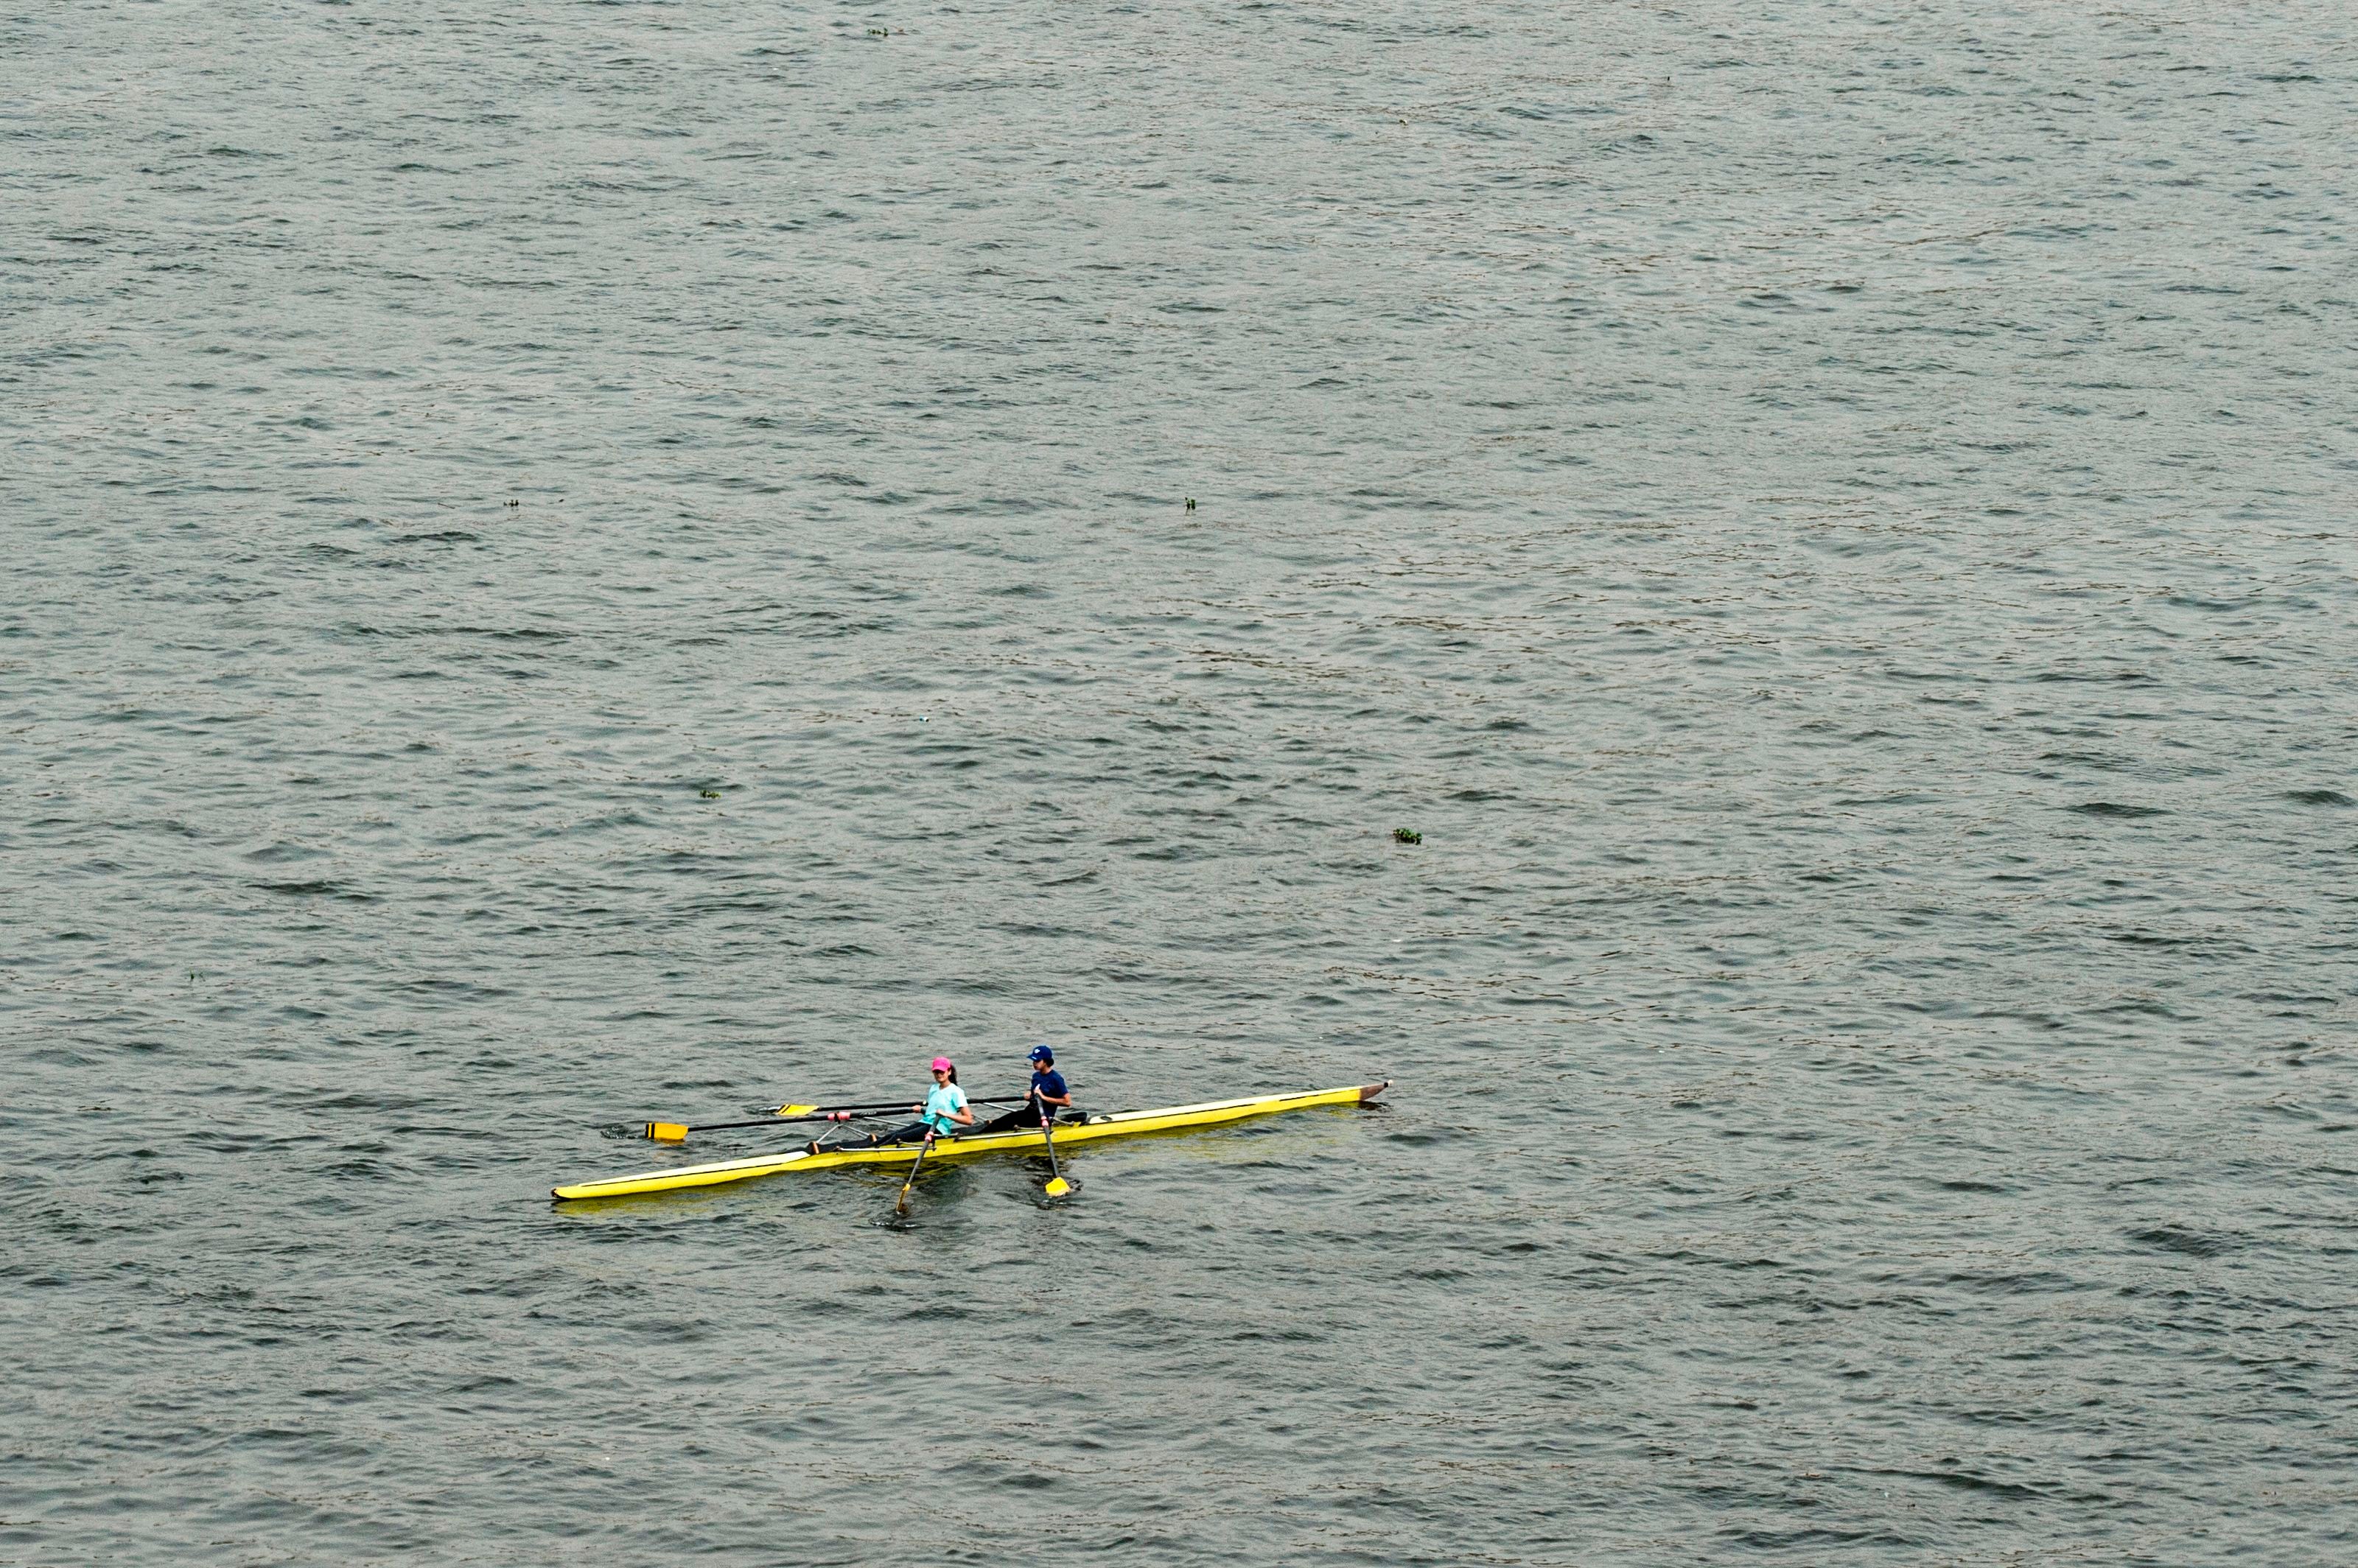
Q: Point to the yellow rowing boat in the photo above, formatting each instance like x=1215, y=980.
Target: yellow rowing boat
x=1116, y=1124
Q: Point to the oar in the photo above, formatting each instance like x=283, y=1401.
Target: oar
x=674, y=1132
x=1057, y=1186
x=923, y=1150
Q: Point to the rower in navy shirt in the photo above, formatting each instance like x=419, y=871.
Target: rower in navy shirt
x=1048, y=1090
x=1048, y=1096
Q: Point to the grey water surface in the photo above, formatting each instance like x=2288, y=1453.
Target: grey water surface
x=566, y=563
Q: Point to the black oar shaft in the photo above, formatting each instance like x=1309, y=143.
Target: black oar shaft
x=829, y=1112
x=923, y=1150
x=1057, y=1186
x=764, y=1121
x=1048, y=1136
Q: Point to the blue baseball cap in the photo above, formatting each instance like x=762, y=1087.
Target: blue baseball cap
x=1042, y=1054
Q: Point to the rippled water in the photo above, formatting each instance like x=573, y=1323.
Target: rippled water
x=573, y=563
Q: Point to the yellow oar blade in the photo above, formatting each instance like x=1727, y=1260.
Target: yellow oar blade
x=796, y=1110
x=1058, y=1187
x=667, y=1131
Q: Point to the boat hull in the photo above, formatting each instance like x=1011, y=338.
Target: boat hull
x=1117, y=1124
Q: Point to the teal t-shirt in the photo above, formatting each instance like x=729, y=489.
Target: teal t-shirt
x=939, y=1105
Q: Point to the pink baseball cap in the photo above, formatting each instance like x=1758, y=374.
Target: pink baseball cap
x=942, y=1064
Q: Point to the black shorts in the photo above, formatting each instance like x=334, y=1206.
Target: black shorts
x=1022, y=1119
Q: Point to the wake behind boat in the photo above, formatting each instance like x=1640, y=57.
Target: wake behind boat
x=1114, y=1124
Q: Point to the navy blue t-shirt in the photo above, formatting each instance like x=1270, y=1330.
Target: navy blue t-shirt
x=1048, y=1081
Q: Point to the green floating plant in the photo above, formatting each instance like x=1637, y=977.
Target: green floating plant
x=1407, y=835
x=709, y=793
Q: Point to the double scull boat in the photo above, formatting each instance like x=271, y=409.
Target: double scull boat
x=1115, y=1124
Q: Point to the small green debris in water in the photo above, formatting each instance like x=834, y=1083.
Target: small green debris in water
x=709, y=793
x=1407, y=835
x=1191, y=503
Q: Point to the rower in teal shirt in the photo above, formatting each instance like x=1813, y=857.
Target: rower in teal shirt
x=945, y=1108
